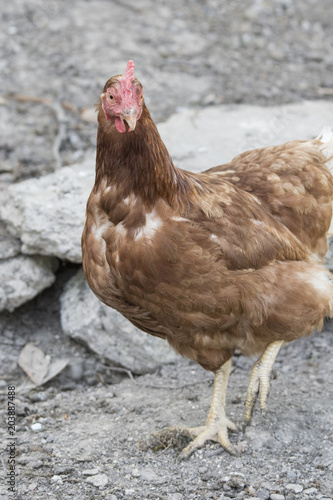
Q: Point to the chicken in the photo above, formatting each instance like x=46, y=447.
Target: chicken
x=228, y=259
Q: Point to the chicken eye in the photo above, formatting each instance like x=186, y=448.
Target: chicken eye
x=111, y=97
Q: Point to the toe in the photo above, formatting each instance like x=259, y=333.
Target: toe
x=224, y=441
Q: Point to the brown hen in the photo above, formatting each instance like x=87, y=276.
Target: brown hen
x=227, y=259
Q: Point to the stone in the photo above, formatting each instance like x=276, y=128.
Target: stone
x=90, y=472
x=56, y=479
x=263, y=494
x=277, y=496
x=310, y=491
x=296, y=488
x=99, y=480
x=9, y=245
x=237, y=129
x=47, y=214
x=36, y=427
x=106, y=332
x=22, y=278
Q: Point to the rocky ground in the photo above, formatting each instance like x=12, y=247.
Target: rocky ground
x=86, y=433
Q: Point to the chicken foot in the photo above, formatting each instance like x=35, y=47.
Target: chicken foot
x=217, y=424
x=260, y=379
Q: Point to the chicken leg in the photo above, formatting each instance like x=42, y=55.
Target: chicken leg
x=260, y=379
x=217, y=424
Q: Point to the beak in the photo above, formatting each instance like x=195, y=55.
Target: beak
x=130, y=117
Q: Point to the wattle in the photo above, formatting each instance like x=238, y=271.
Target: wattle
x=120, y=125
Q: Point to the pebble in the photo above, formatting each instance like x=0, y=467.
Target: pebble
x=175, y=496
x=62, y=469
x=37, y=464
x=296, y=488
x=263, y=494
x=310, y=491
x=277, y=496
x=90, y=472
x=100, y=480
x=37, y=397
x=56, y=479
x=36, y=427
x=136, y=473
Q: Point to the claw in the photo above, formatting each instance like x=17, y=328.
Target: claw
x=217, y=432
x=217, y=425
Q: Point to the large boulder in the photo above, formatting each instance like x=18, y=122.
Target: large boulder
x=22, y=277
x=47, y=214
x=106, y=332
x=200, y=139
x=9, y=245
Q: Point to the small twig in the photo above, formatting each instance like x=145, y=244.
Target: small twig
x=122, y=370
x=172, y=387
x=27, y=98
x=183, y=386
x=325, y=91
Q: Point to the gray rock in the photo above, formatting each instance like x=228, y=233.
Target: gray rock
x=296, y=488
x=9, y=245
x=90, y=472
x=22, y=278
x=277, y=496
x=99, y=480
x=263, y=494
x=108, y=333
x=48, y=213
x=237, y=129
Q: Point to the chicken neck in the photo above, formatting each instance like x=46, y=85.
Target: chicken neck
x=137, y=162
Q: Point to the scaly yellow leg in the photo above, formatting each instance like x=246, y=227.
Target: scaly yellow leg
x=260, y=379
x=217, y=424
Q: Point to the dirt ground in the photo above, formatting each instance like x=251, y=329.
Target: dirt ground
x=86, y=434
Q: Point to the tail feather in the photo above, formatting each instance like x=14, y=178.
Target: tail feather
x=326, y=138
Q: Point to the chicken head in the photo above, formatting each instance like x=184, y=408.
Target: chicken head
x=122, y=99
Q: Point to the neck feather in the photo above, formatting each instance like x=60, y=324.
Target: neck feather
x=138, y=162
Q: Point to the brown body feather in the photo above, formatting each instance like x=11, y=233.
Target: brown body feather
x=213, y=262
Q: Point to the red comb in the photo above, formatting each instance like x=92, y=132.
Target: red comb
x=127, y=80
